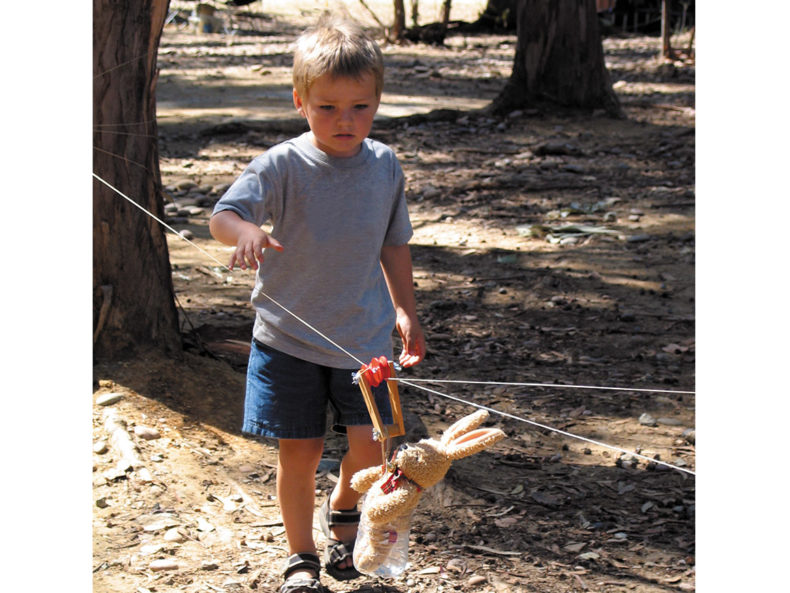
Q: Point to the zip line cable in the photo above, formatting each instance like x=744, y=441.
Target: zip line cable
x=415, y=382
x=544, y=426
x=557, y=385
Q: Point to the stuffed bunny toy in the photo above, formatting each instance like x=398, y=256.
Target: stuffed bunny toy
x=393, y=492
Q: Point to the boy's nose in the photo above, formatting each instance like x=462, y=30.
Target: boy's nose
x=346, y=116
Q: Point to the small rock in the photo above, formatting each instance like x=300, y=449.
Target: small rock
x=174, y=535
x=669, y=421
x=115, y=474
x=151, y=549
x=108, y=399
x=429, y=191
x=627, y=461
x=647, y=420
x=159, y=525
x=146, y=432
x=187, y=234
x=690, y=435
x=477, y=579
x=208, y=565
x=186, y=184
x=638, y=238
x=100, y=447
x=164, y=564
x=456, y=565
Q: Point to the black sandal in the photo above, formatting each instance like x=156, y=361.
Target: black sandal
x=336, y=551
x=302, y=584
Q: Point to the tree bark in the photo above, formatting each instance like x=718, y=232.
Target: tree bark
x=559, y=59
x=399, y=21
x=133, y=297
x=666, y=31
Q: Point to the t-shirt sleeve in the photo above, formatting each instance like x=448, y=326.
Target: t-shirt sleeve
x=252, y=194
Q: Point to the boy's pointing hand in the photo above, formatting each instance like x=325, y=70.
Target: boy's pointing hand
x=250, y=246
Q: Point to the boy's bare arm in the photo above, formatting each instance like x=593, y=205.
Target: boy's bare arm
x=250, y=240
x=396, y=263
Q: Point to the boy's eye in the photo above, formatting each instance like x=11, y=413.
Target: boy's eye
x=361, y=107
x=326, y=107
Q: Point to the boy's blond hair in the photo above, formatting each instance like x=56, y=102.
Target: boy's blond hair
x=337, y=47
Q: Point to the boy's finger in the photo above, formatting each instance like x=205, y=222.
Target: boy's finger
x=274, y=243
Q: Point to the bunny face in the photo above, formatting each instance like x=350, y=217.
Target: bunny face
x=427, y=462
x=424, y=463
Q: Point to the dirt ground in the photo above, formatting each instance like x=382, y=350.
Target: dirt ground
x=549, y=249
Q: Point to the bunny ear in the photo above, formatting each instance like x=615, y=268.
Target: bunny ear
x=463, y=426
x=473, y=442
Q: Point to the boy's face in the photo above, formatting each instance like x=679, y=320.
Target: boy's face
x=340, y=112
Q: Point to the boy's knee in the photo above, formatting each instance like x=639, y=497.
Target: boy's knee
x=300, y=453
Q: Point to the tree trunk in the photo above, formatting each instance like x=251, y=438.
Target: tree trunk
x=415, y=13
x=446, y=7
x=133, y=298
x=666, y=30
x=399, y=22
x=559, y=59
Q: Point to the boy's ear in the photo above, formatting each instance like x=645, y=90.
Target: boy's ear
x=298, y=104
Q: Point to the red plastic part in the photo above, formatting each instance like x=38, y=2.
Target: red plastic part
x=377, y=371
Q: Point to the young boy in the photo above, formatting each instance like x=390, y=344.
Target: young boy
x=337, y=257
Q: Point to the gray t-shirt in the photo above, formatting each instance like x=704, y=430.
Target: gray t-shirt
x=332, y=216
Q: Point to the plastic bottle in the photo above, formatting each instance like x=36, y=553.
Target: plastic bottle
x=382, y=550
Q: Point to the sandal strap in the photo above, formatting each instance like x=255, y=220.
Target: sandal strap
x=303, y=561
x=337, y=552
x=349, y=517
x=302, y=585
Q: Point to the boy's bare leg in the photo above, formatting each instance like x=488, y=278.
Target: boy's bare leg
x=362, y=452
x=296, y=466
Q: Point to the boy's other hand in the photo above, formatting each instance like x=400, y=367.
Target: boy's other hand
x=413, y=341
x=250, y=246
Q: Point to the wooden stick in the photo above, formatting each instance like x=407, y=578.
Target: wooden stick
x=373, y=410
x=393, y=430
x=397, y=429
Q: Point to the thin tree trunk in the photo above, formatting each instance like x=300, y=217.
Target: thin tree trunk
x=446, y=7
x=666, y=31
x=133, y=302
x=399, y=24
x=559, y=59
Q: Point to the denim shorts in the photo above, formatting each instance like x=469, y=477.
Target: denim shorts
x=288, y=398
